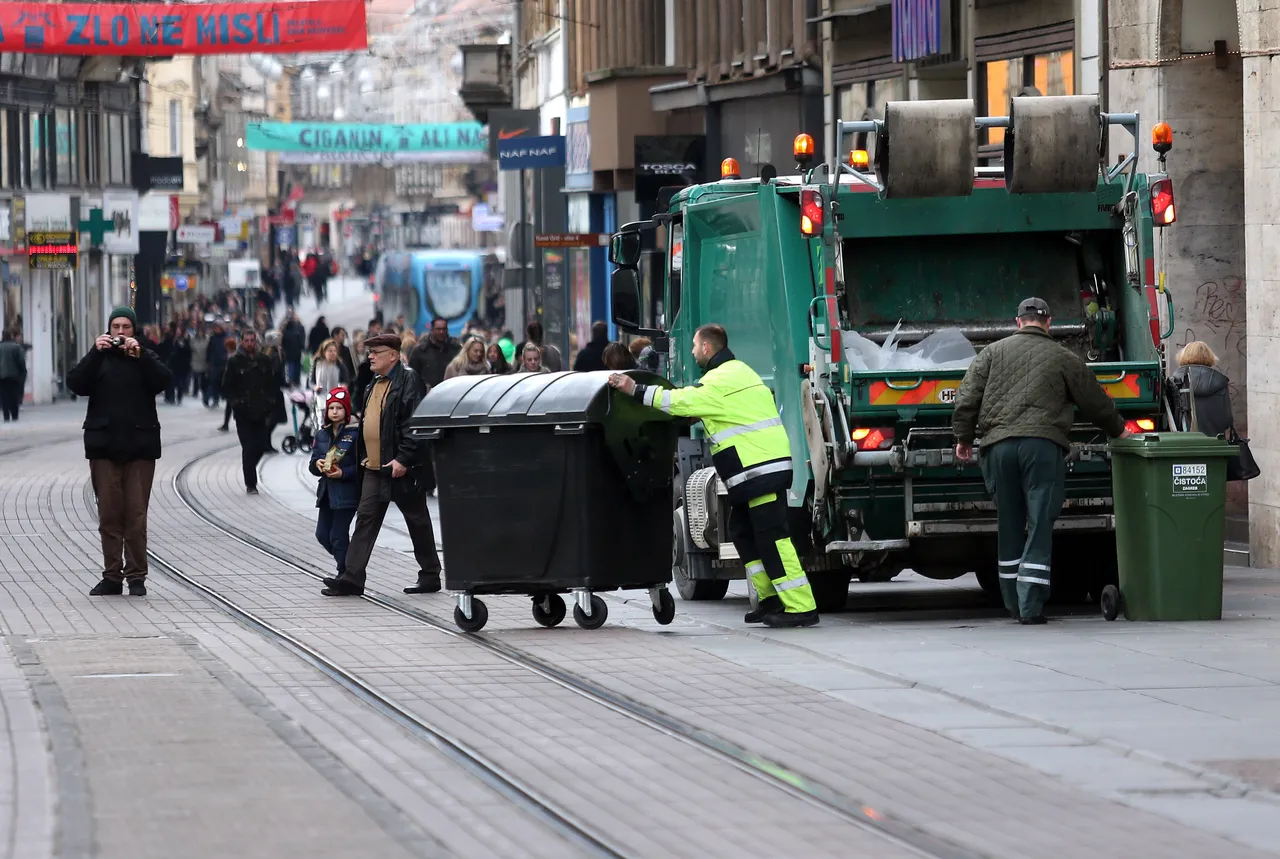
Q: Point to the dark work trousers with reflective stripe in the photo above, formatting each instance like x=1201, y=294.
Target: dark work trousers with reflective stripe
x=759, y=532
x=1027, y=478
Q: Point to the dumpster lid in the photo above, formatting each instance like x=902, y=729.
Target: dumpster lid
x=522, y=399
x=1173, y=445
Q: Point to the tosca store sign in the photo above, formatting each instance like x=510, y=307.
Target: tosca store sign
x=164, y=30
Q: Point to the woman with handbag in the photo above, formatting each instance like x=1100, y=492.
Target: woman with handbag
x=1211, y=404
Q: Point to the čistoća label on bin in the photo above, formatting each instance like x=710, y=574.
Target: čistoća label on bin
x=1191, y=479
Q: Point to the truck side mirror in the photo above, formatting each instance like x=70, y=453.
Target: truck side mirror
x=624, y=249
x=625, y=289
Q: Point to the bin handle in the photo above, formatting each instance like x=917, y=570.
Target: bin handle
x=425, y=433
x=917, y=383
x=1119, y=378
x=1168, y=297
x=570, y=429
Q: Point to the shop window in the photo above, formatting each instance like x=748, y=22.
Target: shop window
x=38, y=151
x=866, y=100
x=1051, y=73
x=92, y=149
x=66, y=165
x=117, y=150
x=4, y=150
x=175, y=127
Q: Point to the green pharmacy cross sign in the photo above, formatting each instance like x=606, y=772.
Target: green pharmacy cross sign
x=97, y=227
x=362, y=143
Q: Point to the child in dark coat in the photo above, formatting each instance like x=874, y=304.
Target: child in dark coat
x=334, y=459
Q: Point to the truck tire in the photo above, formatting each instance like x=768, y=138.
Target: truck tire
x=830, y=589
x=687, y=570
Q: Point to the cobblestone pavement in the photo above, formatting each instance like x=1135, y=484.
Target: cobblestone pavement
x=132, y=726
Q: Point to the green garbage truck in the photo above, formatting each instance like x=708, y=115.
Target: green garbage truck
x=861, y=287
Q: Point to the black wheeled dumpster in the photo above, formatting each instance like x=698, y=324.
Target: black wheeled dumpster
x=550, y=483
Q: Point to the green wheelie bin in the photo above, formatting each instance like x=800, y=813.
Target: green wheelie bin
x=1169, y=491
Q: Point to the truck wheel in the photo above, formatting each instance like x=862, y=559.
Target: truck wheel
x=830, y=590
x=686, y=569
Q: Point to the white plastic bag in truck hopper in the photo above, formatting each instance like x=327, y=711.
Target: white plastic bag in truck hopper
x=946, y=349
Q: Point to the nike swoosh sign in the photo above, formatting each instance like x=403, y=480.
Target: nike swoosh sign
x=507, y=135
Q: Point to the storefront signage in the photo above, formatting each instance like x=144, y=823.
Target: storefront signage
x=918, y=29
x=165, y=30
x=48, y=212
x=52, y=249
x=164, y=174
x=197, y=235
x=483, y=219
x=509, y=124
x=320, y=142
x=153, y=213
x=120, y=208
x=571, y=240
x=530, y=153
x=668, y=160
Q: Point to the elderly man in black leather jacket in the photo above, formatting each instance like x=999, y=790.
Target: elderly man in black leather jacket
x=391, y=470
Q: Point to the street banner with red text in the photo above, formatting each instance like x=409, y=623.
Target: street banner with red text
x=163, y=29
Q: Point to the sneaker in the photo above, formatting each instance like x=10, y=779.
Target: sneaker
x=137, y=588
x=251, y=490
x=107, y=588
x=790, y=619
x=766, y=606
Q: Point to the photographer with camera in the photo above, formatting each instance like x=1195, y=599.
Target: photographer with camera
x=122, y=443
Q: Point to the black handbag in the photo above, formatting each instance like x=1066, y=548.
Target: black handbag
x=1244, y=466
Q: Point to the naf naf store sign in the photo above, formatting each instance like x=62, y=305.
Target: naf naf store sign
x=530, y=153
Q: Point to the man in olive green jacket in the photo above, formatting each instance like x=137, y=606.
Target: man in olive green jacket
x=1020, y=395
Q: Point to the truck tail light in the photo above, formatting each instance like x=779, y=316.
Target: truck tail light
x=1140, y=425
x=868, y=438
x=811, y=212
x=1162, y=208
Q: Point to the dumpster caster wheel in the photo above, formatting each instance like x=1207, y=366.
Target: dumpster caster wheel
x=1110, y=602
x=599, y=614
x=549, y=610
x=289, y=444
x=665, y=611
x=475, y=623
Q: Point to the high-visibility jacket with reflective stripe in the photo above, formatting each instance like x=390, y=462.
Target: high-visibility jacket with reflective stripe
x=749, y=445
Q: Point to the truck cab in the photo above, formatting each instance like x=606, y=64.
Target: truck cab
x=859, y=289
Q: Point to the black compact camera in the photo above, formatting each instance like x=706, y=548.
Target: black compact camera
x=117, y=342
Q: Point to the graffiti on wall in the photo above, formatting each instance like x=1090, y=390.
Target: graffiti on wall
x=1217, y=316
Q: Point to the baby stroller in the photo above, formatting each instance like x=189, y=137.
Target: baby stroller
x=303, y=433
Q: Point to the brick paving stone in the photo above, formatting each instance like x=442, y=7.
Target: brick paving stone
x=617, y=772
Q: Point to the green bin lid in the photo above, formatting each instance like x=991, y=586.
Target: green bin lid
x=1173, y=445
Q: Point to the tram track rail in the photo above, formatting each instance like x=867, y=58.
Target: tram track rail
x=571, y=827
x=786, y=779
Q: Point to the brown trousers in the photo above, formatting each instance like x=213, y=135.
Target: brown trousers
x=124, y=491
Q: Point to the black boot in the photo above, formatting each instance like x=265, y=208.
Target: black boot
x=428, y=583
x=766, y=606
x=107, y=588
x=1034, y=620
x=137, y=588
x=791, y=619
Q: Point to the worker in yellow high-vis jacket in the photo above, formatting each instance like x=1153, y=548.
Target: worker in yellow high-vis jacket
x=750, y=451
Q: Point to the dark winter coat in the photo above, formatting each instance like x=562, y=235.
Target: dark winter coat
x=1028, y=386
x=429, y=359
x=293, y=340
x=1213, y=400
x=344, y=357
x=13, y=361
x=407, y=391
x=590, y=357
x=338, y=493
x=319, y=334
x=121, y=422
x=180, y=357
x=252, y=385
x=216, y=354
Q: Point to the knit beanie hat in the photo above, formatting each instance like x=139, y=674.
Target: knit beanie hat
x=342, y=397
x=127, y=313
x=508, y=349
